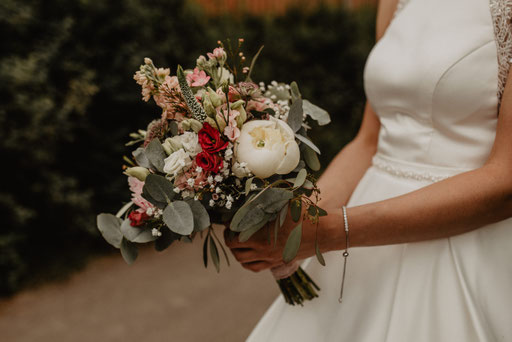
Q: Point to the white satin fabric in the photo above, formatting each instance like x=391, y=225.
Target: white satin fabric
x=432, y=79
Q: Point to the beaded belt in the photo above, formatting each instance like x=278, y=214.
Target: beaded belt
x=408, y=170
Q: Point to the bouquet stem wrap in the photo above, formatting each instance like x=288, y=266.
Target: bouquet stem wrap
x=295, y=284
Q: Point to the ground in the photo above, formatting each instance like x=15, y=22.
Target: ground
x=165, y=296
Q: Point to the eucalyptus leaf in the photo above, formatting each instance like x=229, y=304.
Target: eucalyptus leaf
x=295, y=91
x=156, y=154
x=319, y=255
x=273, y=200
x=129, y=251
x=321, y=212
x=300, y=179
x=300, y=166
x=136, y=234
x=179, y=218
x=214, y=253
x=164, y=241
x=292, y=244
x=312, y=210
x=173, y=127
x=159, y=189
x=316, y=113
x=311, y=158
x=308, y=142
x=296, y=210
x=248, y=184
x=141, y=158
x=150, y=199
x=296, y=115
x=201, y=217
x=205, y=251
x=110, y=228
x=282, y=214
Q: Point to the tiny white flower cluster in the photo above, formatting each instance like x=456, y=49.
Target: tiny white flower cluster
x=154, y=212
x=155, y=232
x=279, y=104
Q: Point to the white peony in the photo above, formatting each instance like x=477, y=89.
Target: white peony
x=176, y=162
x=267, y=147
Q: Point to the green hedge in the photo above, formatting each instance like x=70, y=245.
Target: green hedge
x=69, y=101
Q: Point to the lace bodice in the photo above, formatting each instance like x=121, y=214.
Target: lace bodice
x=501, y=12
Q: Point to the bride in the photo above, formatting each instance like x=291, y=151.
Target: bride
x=428, y=186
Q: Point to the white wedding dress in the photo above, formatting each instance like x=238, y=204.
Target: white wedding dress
x=432, y=79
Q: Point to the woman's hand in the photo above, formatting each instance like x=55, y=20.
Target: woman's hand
x=260, y=252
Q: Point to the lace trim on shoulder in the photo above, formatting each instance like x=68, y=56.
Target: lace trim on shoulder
x=400, y=6
x=501, y=12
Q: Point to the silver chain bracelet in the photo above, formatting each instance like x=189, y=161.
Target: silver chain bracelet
x=345, y=253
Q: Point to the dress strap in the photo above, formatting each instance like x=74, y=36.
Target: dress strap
x=501, y=12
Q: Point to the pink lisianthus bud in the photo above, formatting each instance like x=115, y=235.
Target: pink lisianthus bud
x=136, y=187
x=198, y=78
x=218, y=53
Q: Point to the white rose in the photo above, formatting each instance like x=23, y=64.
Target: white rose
x=190, y=142
x=267, y=147
x=176, y=162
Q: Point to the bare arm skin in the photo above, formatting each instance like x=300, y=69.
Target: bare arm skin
x=454, y=206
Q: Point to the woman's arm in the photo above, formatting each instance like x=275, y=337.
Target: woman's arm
x=348, y=167
x=456, y=205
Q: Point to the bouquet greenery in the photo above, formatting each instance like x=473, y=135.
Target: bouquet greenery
x=225, y=151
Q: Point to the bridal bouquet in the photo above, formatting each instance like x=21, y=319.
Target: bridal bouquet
x=225, y=151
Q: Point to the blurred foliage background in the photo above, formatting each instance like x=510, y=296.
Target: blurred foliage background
x=69, y=102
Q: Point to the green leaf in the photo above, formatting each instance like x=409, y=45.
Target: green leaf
x=273, y=199
x=319, y=255
x=316, y=113
x=214, y=253
x=311, y=158
x=321, y=212
x=129, y=251
x=248, y=184
x=312, y=210
x=173, y=127
x=159, y=189
x=301, y=177
x=156, y=154
x=150, y=199
x=308, y=142
x=190, y=99
x=110, y=228
x=292, y=244
x=299, y=166
x=141, y=158
x=282, y=214
x=164, y=241
x=295, y=91
x=296, y=210
x=179, y=218
x=136, y=234
x=201, y=217
x=205, y=251
x=295, y=117
x=248, y=217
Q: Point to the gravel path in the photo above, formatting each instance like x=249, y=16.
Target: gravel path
x=165, y=296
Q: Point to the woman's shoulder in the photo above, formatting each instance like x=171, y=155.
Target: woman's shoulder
x=385, y=13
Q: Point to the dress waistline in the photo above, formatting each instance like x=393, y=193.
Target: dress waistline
x=416, y=171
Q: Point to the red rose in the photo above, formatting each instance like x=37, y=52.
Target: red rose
x=210, y=140
x=209, y=162
x=137, y=218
